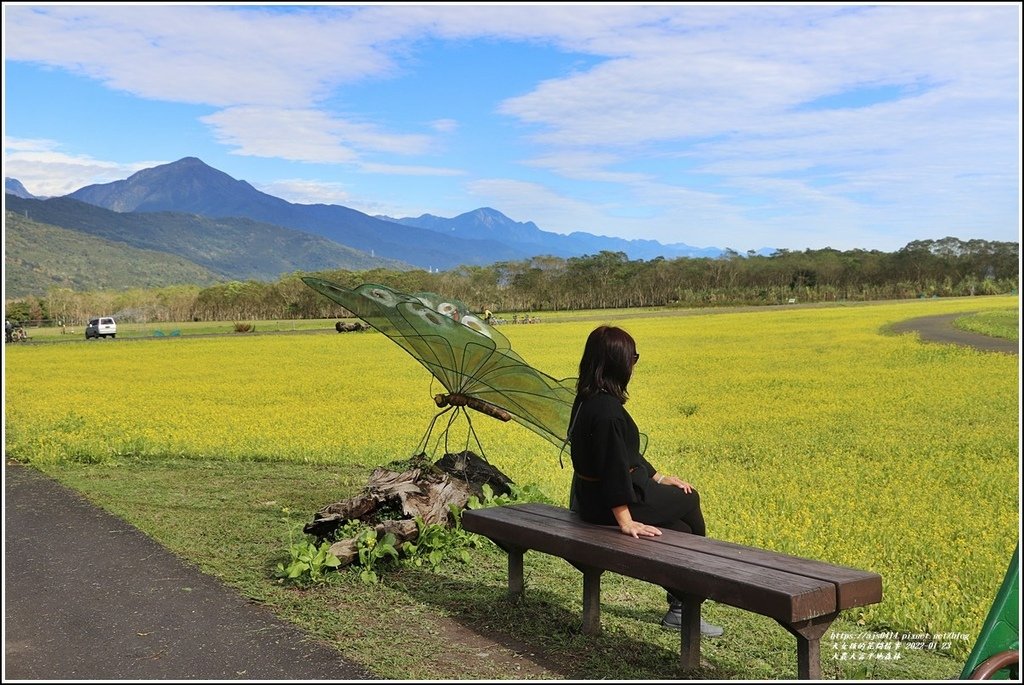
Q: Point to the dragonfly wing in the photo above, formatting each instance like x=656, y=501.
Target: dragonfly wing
x=463, y=352
x=434, y=339
x=459, y=312
x=536, y=400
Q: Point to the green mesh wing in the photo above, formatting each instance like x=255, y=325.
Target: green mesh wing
x=465, y=354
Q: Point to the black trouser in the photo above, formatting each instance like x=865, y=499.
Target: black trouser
x=670, y=507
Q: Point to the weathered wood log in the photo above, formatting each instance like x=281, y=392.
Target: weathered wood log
x=423, y=494
x=471, y=469
x=333, y=516
x=346, y=550
x=404, y=530
x=393, y=500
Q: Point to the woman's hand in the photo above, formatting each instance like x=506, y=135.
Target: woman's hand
x=674, y=480
x=630, y=527
x=637, y=529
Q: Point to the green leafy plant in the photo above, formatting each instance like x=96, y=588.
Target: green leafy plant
x=308, y=562
x=372, y=551
x=351, y=529
x=437, y=542
x=517, y=493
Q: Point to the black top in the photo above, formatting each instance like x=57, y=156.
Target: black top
x=605, y=451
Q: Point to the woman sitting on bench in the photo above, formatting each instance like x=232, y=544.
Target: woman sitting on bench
x=613, y=484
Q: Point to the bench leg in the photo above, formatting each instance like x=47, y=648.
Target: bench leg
x=808, y=644
x=515, y=570
x=689, y=650
x=516, y=584
x=591, y=600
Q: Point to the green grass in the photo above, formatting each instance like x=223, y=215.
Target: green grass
x=809, y=431
x=228, y=522
x=1002, y=323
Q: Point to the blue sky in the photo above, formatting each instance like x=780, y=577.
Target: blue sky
x=728, y=125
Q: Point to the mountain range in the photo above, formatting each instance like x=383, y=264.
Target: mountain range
x=12, y=186
x=231, y=248
x=227, y=227
x=534, y=241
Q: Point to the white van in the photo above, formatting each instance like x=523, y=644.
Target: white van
x=101, y=327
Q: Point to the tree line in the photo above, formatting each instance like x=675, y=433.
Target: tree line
x=924, y=268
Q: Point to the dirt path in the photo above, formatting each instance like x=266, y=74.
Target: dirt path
x=940, y=329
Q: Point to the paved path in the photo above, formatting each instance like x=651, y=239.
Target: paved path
x=940, y=329
x=89, y=597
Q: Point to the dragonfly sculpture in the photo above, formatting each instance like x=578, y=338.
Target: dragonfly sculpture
x=472, y=360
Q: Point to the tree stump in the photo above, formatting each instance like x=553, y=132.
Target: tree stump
x=471, y=469
x=392, y=500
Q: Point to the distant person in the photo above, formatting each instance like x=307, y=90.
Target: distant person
x=613, y=484
x=8, y=330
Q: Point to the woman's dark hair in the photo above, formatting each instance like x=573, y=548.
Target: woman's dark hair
x=607, y=363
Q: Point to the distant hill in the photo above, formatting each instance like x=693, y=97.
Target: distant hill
x=482, y=236
x=196, y=212
x=528, y=238
x=13, y=186
x=40, y=256
x=230, y=248
x=190, y=185
x=479, y=222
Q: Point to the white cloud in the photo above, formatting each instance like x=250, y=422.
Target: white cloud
x=728, y=104
x=306, y=192
x=219, y=56
x=409, y=170
x=265, y=69
x=739, y=78
x=302, y=135
x=585, y=166
x=307, y=135
x=47, y=172
x=444, y=125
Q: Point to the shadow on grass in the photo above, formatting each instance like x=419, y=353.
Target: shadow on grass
x=547, y=626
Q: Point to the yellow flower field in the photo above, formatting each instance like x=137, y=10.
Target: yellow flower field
x=806, y=430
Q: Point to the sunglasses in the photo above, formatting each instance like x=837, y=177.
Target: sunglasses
x=636, y=357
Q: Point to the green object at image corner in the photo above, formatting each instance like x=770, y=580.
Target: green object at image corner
x=999, y=640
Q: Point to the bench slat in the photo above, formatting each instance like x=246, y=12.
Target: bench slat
x=854, y=587
x=777, y=593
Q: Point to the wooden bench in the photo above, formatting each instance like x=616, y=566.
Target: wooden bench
x=803, y=595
